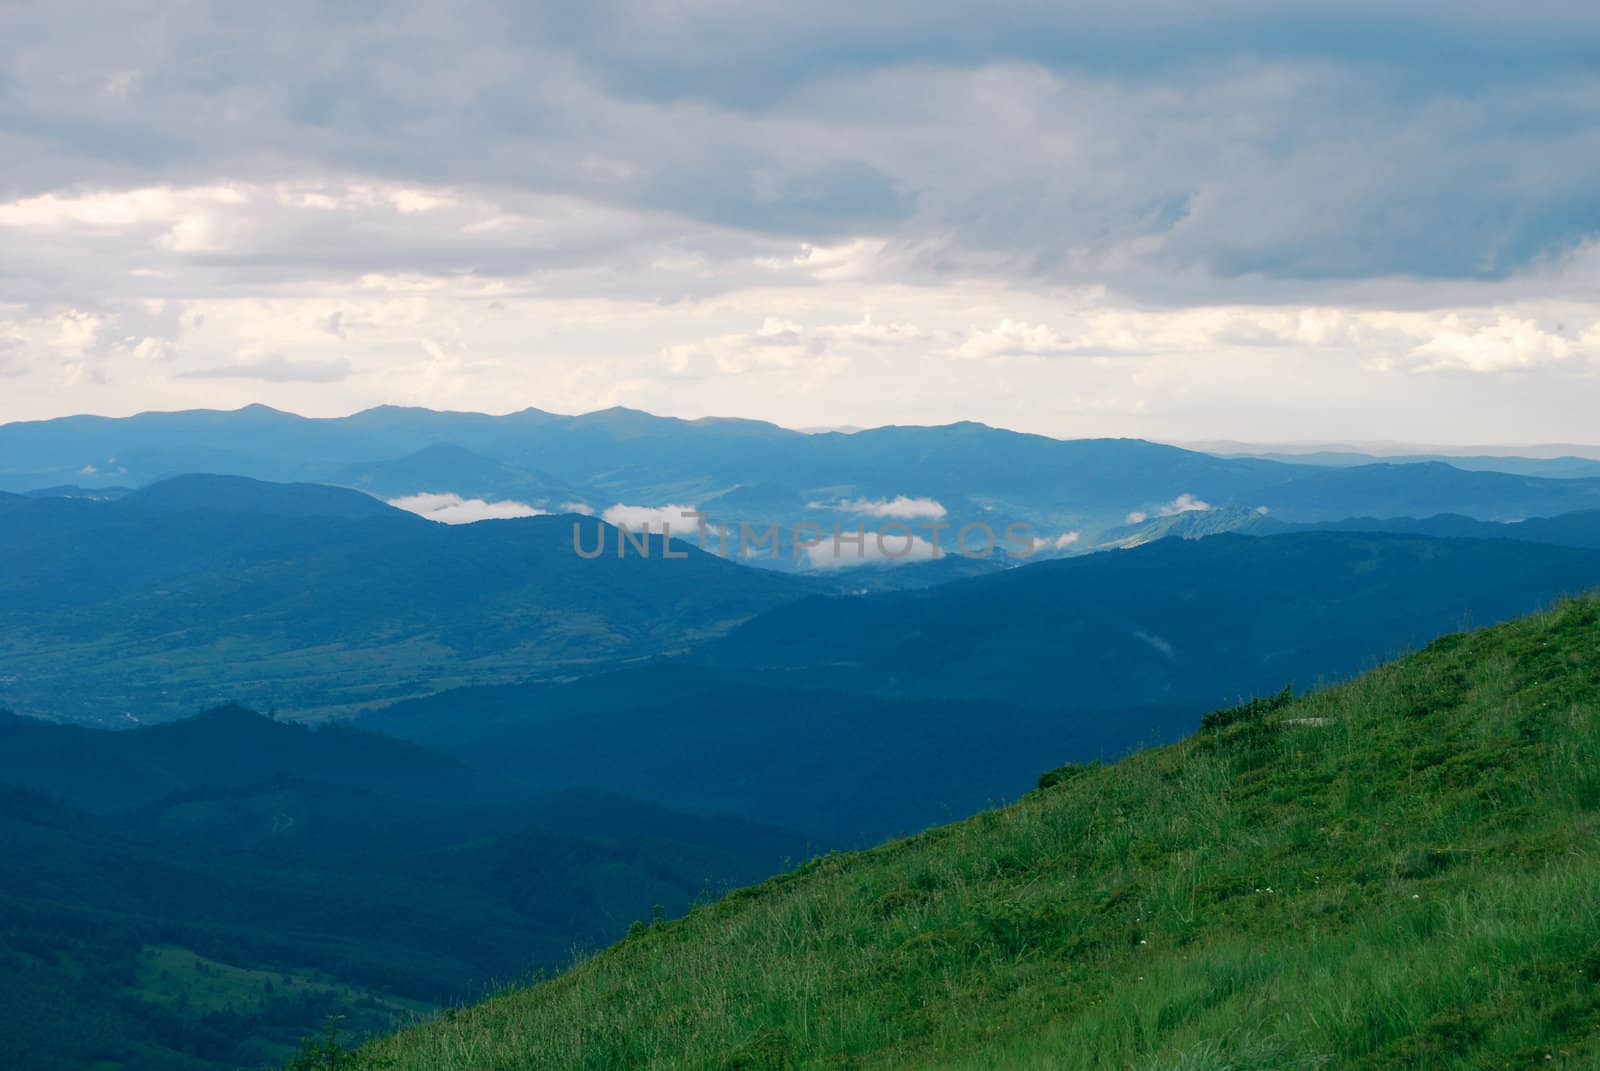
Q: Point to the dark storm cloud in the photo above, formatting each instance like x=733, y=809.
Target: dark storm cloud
x=1174, y=151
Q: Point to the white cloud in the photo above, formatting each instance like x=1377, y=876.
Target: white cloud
x=887, y=548
x=659, y=519
x=1262, y=236
x=1136, y=517
x=1507, y=344
x=901, y=506
x=453, y=509
x=1184, y=503
x=577, y=507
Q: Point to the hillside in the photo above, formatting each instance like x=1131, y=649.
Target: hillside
x=201, y=894
x=239, y=494
x=1178, y=621
x=849, y=770
x=1400, y=872
x=315, y=600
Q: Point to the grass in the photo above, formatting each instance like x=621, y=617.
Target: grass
x=1400, y=872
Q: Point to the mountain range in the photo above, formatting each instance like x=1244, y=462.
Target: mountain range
x=741, y=470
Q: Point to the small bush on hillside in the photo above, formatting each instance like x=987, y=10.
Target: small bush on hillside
x=1254, y=710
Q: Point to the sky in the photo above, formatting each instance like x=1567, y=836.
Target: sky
x=1170, y=219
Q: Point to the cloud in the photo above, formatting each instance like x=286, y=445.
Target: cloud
x=659, y=518
x=453, y=509
x=577, y=507
x=1136, y=517
x=1011, y=338
x=892, y=548
x=1184, y=503
x=746, y=209
x=275, y=368
x=901, y=506
x=1507, y=344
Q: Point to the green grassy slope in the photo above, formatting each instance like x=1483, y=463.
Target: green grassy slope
x=1402, y=872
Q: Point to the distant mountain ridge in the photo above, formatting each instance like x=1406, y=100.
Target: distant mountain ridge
x=1578, y=529
x=744, y=470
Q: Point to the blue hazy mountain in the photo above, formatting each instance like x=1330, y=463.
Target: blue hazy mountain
x=749, y=470
x=1424, y=489
x=239, y=494
x=203, y=590
x=1579, y=529
x=1542, y=461
x=1205, y=620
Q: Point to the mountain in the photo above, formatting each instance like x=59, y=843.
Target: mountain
x=1315, y=882
x=238, y=494
x=225, y=749
x=1581, y=529
x=1177, y=621
x=201, y=894
x=1561, y=461
x=859, y=717
x=758, y=470
x=204, y=590
x=1424, y=489
x=847, y=769
x=742, y=470
x=1190, y=524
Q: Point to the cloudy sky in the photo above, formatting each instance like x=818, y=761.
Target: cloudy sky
x=1178, y=220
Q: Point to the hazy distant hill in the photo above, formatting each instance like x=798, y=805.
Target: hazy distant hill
x=1578, y=529
x=1201, y=621
x=1581, y=529
x=1425, y=489
x=237, y=494
x=210, y=589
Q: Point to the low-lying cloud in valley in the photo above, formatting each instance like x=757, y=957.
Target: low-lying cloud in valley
x=902, y=507
x=886, y=548
x=1184, y=503
x=453, y=509
x=677, y=520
